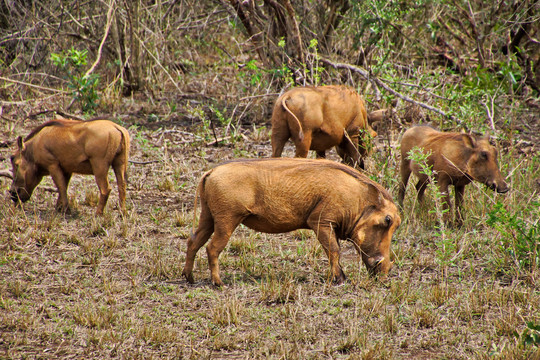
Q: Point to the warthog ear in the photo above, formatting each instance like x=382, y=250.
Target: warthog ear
x=20, y=143
x=469, y=140
x=487, y=136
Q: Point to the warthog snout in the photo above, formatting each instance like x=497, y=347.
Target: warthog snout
x=500, y=187
x=17, y=196
x=376, y=265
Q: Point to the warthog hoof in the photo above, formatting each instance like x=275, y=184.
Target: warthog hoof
x=189, y=277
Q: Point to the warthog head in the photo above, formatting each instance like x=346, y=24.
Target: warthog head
x=483, y=165
x=24, y=172
x=374, y=234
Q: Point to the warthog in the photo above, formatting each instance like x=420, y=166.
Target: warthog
x=455, y=158
x=282, y=195
x=62, y=147
x=319, y=118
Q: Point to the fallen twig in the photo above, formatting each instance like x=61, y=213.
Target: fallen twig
x=32, y=85
x=49, y=189
x=143, y=162
x=217, y=141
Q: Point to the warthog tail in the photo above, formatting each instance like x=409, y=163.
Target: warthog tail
x=198, y=193
x=126, y=144
x=300, y=131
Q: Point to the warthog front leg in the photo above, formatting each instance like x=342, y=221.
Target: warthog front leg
x=327, y=237
x=459, y=190
x=350, y=152
x=61, y=180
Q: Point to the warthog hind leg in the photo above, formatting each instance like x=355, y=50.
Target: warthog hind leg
x=197, y=240
x=100, y=172
x=120, y=172
x=303, y=145
x=280, y=135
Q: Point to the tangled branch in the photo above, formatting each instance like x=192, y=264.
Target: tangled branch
x=380, y=83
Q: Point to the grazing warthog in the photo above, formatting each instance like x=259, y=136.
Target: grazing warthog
x=456, y=159
x=319, y=118
x=282, y=195
x=62, y=147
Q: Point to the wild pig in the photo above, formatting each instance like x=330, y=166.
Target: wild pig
x=62, y=147
x=456, y=159
x=282, y=195
x=319, y=118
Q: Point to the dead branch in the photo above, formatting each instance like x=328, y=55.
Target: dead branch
x=32, y=85
x=217, y=141
x=6, y=173
x=49, y=189
x=5, y=144
x=254, y=34
x=100, y=49
x=294, y=24
x=143, y=162
x=378, y=82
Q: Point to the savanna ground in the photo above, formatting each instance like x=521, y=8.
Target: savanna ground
x=83, y=286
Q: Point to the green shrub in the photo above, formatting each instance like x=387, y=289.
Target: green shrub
x=82, y=86
x=520, y=238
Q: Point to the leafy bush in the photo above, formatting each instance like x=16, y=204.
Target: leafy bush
x=83, y=86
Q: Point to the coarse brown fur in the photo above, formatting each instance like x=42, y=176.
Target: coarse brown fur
x=319, y=118
x=62, y=147
x=282, y=195
x=455, y=158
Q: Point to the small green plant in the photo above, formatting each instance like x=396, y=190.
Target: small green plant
x=446, y=245
x=420, y=157
x=83, y=86
x=520, y=239
x=253, y=74
x=228, y=123
x=284, y=73
x=313, y=56
x=531, y=334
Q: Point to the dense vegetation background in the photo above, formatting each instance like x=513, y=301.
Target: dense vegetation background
x=473, y=62
x=194, y=82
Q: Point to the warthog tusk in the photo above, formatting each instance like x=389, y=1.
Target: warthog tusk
x=6, y=173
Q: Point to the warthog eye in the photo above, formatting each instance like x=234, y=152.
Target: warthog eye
x=484, y=155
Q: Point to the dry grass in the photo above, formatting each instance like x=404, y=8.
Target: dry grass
x=81, y=286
